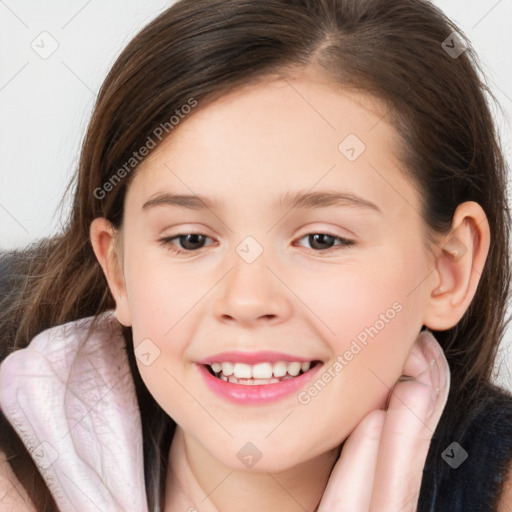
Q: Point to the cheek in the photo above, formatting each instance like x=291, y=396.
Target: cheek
x=368, y=300
x=369, y=316
x=161, y=298
x=160, y=292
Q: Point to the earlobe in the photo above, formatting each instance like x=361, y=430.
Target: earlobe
x=103, y=240
x=459, y=263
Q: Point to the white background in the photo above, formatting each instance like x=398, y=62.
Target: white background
x=45, y=103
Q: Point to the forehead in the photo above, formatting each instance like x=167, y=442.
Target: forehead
x=258, y=140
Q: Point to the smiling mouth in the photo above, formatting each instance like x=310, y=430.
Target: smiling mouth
x=261, y=373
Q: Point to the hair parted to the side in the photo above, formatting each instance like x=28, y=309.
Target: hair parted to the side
x=201, y=49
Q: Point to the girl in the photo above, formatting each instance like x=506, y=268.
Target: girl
x=284, y=278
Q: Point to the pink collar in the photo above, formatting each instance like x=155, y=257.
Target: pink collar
x=72, y=402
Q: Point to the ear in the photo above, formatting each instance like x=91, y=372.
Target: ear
x=103, y=239
x=460, y=259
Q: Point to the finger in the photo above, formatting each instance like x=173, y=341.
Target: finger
x=435, y=375
x=414, y=410
x=351, y=480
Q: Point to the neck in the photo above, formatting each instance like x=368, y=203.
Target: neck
x=296, y=489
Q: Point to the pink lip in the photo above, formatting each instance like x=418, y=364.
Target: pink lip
x=257, y=394
x=252, y=357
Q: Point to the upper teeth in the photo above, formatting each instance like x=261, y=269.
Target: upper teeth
x=260, y=370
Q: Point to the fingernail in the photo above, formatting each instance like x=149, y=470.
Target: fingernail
x=439, y=371
x=434, y=397
x=440, y=385
x=430, y=347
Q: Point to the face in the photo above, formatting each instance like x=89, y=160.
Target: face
x=336, y=282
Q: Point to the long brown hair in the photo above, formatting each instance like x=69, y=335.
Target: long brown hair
x=200, y=49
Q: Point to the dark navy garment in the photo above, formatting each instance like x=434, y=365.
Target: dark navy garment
x=453, y=483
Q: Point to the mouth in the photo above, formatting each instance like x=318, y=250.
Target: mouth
x=261, y=373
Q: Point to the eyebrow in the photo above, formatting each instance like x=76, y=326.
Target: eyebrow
x=290, y=200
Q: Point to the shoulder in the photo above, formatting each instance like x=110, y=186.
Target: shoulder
x=505, y=502
x=489, y=436
x=13, y=497
x=468, y=465
x=505, y=496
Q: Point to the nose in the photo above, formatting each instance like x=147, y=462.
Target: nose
x=252, y=294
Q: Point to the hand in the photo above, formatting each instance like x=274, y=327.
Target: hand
x=381, y=464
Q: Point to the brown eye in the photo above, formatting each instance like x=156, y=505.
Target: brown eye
x=188, y=242
x=326, y=241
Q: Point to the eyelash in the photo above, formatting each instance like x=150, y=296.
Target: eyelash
x=345, y=243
